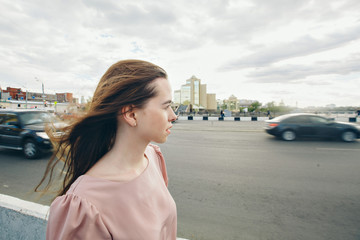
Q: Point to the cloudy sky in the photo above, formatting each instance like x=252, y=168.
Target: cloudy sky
x=299, y=51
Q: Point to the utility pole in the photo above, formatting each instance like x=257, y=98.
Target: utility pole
x=43, y=92
x=26, y=99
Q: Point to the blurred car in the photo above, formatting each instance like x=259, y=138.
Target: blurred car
x=25, y=130
x=302, y=125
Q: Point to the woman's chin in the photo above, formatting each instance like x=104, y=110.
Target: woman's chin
x=161, y=140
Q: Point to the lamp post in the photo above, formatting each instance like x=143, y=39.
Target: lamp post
x=26, y=104
x=26, y=96
x=43, y=93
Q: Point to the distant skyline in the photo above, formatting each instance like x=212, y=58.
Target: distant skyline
x=305, y=52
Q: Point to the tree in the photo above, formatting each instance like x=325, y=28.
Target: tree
x=86, y=107
x=254, y=106
x=273, y=108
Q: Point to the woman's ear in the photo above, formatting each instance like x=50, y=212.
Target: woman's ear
x=128, y=114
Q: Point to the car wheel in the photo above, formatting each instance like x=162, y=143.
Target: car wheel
x=288, y=135
x=348, y=136
x=30, y=149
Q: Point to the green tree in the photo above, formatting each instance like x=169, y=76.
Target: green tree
x=254, y=107
x=277, y=110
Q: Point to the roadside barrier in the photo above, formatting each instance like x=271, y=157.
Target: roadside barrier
x=252, y=119
x=21, y=219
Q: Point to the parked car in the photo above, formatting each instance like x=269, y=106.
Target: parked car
x=24, y=130
x=301, y=125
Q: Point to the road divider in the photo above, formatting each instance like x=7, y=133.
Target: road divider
x=251, y=119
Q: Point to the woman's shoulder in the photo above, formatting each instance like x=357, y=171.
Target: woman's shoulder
x=85, y=193
x=87, y=189
x=70, y=200
x=154, y=147
x=69, y=203
x=159, y=159
x=154, y=151
x=154, y=154
x=69, y=212
x=80, y=185
x=74, y=194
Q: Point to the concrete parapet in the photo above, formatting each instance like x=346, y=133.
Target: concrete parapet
x=213, y=118
x=198, y=118
x=21, y=219
x=229, y=118
x=182, y=118
x=245, y=119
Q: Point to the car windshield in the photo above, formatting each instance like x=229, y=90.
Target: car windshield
x=28, y=118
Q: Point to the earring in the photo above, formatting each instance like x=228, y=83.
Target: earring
x=134, y=124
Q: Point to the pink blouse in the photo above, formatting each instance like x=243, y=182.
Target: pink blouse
x=95, y=208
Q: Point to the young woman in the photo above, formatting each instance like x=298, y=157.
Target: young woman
x=115, y=183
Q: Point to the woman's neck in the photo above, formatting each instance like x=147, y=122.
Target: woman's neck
x=125, y=161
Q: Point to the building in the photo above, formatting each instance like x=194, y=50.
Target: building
x=211, y=101
x=194, y=93
x=17, y=94
x=39, y=97
x=177, y=96
x=64, y=97
x=13, y=94
x=232, y=103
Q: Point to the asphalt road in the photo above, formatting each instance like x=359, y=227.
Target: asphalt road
x=231, y=180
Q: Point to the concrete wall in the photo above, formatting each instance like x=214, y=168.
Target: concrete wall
x=20, y=219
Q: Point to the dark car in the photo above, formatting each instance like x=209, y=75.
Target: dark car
x=301, y=125
x=24, y=130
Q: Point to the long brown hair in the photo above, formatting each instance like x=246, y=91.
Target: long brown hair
x=126, y=83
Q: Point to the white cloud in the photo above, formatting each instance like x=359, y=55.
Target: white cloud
x=265, y=50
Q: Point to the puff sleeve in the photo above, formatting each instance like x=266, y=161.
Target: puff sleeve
x=72, y=217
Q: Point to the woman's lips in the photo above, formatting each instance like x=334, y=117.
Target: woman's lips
x=168, y=130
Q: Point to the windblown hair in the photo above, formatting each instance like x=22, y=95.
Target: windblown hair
x=83, y=143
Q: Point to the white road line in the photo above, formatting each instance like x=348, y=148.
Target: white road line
x=339, y=149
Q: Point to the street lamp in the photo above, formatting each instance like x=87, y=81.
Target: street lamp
x=43, y=93
x=26, y=95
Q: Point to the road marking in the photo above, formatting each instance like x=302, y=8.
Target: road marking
x=216, y=130
x=339, y=149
